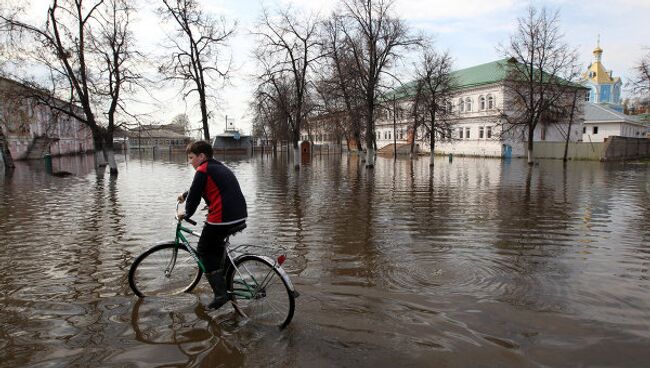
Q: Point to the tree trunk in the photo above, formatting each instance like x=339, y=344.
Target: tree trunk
x=568, y=132
x=432, y=146
x=204, y=118
x=109, y=153
x=98, y=151
x=531, y=132
x=370, y=134
x=6, y=154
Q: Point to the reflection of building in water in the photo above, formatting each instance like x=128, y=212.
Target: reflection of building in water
x=478, y=107
x=33, y=129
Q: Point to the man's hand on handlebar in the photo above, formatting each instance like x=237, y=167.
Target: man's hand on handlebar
x=181, y=198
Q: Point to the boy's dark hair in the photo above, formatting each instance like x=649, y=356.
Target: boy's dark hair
x=199, y=147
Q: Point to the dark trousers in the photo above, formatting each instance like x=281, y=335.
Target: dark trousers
x=212, y=248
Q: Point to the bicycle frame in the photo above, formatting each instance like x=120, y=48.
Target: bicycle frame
x=181, y=240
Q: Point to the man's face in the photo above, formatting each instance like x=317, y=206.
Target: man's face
x=195, y=160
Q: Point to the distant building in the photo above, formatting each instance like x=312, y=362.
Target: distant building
x=147, y=137
x=602, y=122
x=604, y=88
x=32, y=129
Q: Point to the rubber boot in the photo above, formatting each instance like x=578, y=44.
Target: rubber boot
x=218, y=285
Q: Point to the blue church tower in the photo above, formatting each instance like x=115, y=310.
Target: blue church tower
x=603, y=87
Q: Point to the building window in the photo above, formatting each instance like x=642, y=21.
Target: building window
x=468, y=104
x=489, y=132
x=595, y=130
x=584, y=130
x=481, y=132
x=481, y=103
x=467, y=130
x=450, y=107
x=389, y=134
x=461, y=106
x=460, y=133
x=449, y=133
x=490, y=102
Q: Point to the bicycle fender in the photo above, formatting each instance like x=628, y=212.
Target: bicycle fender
x=164, y=242
x=271, y=262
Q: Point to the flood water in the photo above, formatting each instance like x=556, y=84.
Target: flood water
x=476, y=263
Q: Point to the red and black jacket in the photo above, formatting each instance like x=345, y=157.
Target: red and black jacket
x=220, y=190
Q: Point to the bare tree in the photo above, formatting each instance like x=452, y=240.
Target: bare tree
x=376, y=38
x=84, y=46
x=114, y=44
x=538, y=73
x=183, y=121
x=288, y=48
x=271, y=112
x=197, y=52
x=339, y=84
x=434, y=84
x=641, y=82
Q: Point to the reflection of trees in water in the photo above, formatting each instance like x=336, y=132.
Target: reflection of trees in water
x=535, y=228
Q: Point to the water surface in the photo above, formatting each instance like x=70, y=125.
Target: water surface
x=476, y=262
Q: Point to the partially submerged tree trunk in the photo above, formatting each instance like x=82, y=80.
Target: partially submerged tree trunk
x=109, y=153
x=6, y=154
x=568, y=131
x=529, y=146
x=432, y=147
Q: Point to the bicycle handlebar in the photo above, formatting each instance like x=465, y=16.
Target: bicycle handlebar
x=190, y=221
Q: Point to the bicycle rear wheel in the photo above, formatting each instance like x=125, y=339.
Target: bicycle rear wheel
x=261, y=291
x=165, y=269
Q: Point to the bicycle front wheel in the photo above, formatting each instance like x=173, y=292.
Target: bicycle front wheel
x=261, y=291
x=165, y=269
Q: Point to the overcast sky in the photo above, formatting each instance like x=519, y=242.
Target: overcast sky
x=470, y=29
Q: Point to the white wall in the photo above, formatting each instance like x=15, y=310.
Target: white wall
x=604, y=130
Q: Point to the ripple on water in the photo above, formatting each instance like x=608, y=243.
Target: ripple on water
x=478, y=257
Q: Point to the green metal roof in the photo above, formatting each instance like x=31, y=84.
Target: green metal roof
x=475, y=76
x=480, y=75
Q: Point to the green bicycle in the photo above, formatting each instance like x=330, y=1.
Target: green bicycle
x=259, y=287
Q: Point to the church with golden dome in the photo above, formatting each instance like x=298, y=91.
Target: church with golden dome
x=604, y=88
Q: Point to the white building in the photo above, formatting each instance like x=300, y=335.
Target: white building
x=477, y=119
x=602, y=122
